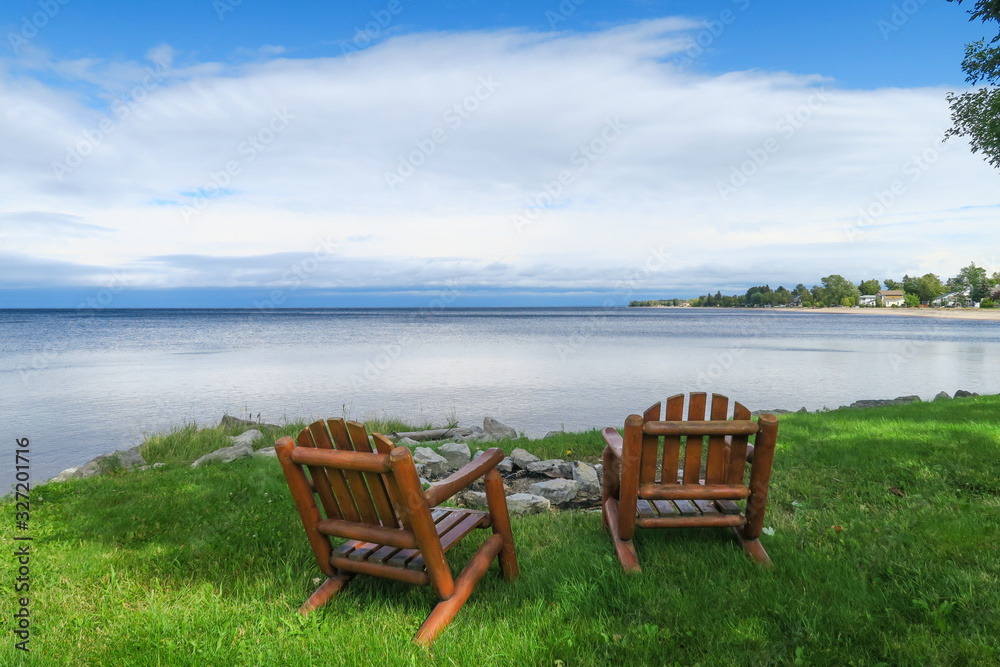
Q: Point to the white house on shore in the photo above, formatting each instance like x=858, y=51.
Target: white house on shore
x=953, y=299
x=891, y=297
x=867, y=300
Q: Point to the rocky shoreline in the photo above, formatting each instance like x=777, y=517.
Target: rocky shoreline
x=532, y=485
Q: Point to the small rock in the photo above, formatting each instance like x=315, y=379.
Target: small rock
x=522, y=458
x=506, y=466
x=457, y=454
x=434, y=464
x=912, y=398
x=802, y=409
x=476, y=454
x=424, y=481
x=495, y=430
x=225, y=455
x=551, y=468
x=519, y=504
x=556, y=491
x=961, y=393
x=942, y=396
x=247, y=437
x=420, y=469
x=407, y=442
x=159, y=465
x=267, y=453
x=551, y=434
x=585, y=475
x=143, y=468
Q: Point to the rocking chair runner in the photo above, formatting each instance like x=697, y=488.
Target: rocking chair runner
x=375, y=500
x=683, y=497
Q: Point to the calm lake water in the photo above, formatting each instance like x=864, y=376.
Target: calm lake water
x=82, y=383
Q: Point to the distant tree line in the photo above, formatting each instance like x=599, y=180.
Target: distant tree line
x=972, y=283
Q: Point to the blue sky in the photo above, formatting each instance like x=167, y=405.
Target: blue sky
x=250, y=154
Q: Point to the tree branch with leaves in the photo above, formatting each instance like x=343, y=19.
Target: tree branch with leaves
x=976, y=114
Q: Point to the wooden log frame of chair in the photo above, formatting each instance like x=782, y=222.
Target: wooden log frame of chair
x=633, y=497
x=374, y=499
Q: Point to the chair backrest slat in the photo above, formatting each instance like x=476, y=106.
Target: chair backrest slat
x=320, y=481
x=376, y=485
x=693, y=444
x=355, y=480
x=715, y=468
x=738, y=448
x=672, y=443
x=650, y=447
x=334, y=476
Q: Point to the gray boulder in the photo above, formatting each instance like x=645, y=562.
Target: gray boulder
x=225, y=455
x=551, y=468
x=520, y=504
x=551, y=434
x=506, y=466
x=127, y=458
x=247, y=437
x=772, y=411
x=473, y=499
x=267, y=453
x=881, y=402
x=522, y=457
x=585, y=475
x=457, y=454
x=434, y=464
x=495, y=430
x=65, y=474
x=556, y=491
x=942, y=396
x=228, y=421
x=407, y=442
x=961, y=393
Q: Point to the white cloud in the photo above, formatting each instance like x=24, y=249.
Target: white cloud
x=492, y=118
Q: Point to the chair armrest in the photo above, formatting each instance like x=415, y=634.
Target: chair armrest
x=463, y=477
x=614, y=440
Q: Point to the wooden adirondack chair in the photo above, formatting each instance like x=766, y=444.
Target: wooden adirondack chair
x=393, y=530
x=684, y=495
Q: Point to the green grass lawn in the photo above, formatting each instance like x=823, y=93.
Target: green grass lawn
x=886, y=524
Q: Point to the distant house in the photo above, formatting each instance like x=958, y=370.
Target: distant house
x=952, y=299
x=866, y=300
x=891, y=297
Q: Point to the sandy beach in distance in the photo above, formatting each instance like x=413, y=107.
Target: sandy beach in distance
x=942, y=313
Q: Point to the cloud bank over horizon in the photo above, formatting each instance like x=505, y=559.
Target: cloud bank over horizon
x=484, y=162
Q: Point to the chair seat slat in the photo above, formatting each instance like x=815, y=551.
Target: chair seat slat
x=453, y=532
x=706, y=507
x=364, y=550
x=664, y=507
x=728, y=507
x=686, y=507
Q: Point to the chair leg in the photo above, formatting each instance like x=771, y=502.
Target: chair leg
x=325, y=592
x=624, y=549
x=445, y=611
x=753, y=548
x=500, y=521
